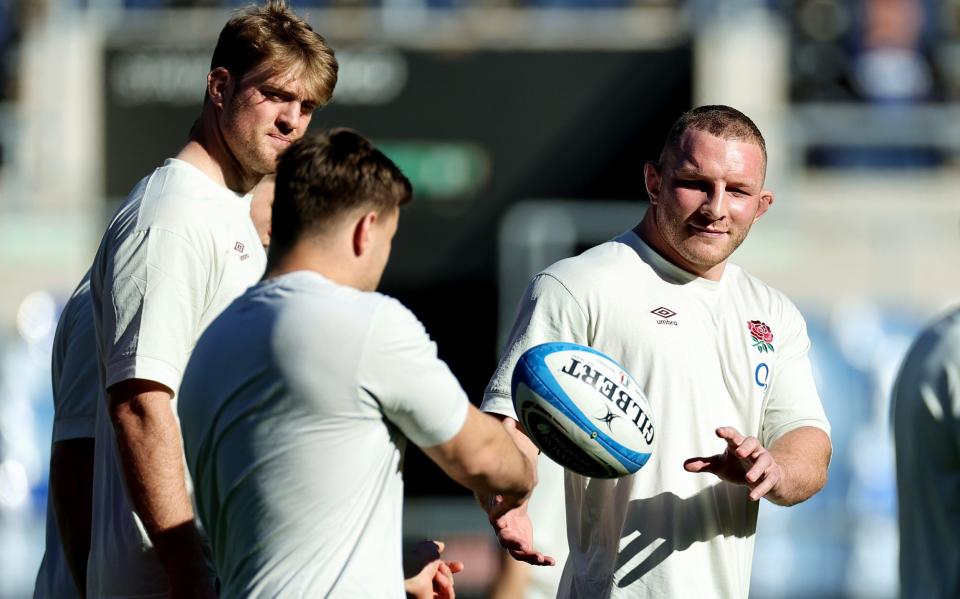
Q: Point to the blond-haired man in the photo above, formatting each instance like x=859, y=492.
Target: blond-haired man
x=178, y=251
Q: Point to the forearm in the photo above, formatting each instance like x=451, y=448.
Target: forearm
x=528, y=450
x=484, y=458
x=71, y=492
x=501, y=466
x=803, y=455
x=151, y=455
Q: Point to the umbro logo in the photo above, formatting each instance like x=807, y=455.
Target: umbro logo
x=665, y=315
x=239, y=247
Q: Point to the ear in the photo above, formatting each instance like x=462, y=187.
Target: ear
x=217, y=81
x=652, y=180
x=766, y=200
x=362, y=233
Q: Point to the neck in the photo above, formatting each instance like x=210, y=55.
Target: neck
x=647, y=231
x=208, y=151
x=316, y=256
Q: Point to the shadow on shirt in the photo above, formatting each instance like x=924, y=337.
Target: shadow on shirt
x=679, y=523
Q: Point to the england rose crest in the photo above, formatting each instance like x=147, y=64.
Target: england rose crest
x=762, y=335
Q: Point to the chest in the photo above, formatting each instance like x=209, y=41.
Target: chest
x=708, y=357
x=239, y=262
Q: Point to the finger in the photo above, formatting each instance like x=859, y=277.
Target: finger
x=749, y=445
x=533, y=557
x=440, y=546
x=707, y=464
x=455, y=566
x=759, y=468
x=442, y=583
x=731, y=435
x=764, y=487
x=443, y=577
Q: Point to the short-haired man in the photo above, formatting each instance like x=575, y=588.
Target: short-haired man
x=176, y=253
x=717, y=352
x=299, y=398
x=926, y=431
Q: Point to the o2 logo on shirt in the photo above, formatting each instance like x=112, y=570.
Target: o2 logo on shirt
x=761, y=375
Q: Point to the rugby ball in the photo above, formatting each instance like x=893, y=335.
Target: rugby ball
x=583, y=410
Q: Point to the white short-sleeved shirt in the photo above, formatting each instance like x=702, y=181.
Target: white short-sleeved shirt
x=688, y=341
x=178, y=250
x=75, y=396
x=926, y=424
x=295, y=409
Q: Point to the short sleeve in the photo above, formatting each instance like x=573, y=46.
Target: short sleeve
x=400, y=369
x=792, y=400
x=547, y=312
x=156, y=300
x=76, y=385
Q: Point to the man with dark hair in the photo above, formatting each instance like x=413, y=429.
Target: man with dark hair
x=176, y=253
x=299, y=398
x=719, y=355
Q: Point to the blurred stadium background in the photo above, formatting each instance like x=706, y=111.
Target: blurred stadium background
x=524, y=125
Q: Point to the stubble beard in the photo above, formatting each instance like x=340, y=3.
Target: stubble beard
x=702, y=254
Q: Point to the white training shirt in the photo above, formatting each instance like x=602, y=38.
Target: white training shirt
x=75, y=394
x=665, y=532
x=926, y=425
x=176, y=253
x=295, y=411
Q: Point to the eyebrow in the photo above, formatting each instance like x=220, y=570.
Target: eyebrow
x=690, y=172
x=287, y=94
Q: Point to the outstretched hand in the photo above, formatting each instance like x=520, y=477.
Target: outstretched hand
x=428, y=576
x=744, y=462
x=515, y=533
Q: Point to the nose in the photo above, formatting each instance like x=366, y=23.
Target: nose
x=289, y=118
x=715, y=202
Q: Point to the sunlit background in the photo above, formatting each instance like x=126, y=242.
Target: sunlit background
x=524, y=125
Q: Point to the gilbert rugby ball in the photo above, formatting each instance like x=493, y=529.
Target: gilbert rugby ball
x=583, y=410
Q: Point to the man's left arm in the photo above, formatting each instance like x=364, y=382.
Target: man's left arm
x=792, y=470
x=803, y=456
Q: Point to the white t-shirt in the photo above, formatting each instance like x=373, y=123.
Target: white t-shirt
x=176, y=253
x=664, y=532
x=295, y=411
x=926, y=424
x=75, y=394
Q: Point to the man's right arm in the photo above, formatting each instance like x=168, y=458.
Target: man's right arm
x=151, y=455
x=484, y=458
x=511, y=522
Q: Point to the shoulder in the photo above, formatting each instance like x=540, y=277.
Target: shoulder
x=179, y=199
x=938, y=344
x=764, y=298
x=601, y=265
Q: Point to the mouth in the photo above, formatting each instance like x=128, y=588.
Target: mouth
x=707, y=232
x=284, y=141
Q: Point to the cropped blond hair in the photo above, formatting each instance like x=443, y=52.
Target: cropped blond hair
x=273, y=35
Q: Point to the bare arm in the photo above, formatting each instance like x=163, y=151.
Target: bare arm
x=511, y=522
x=803, y=455
x=71, y=492
x=792, y=470
x=484, y=458
x=151, y=453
